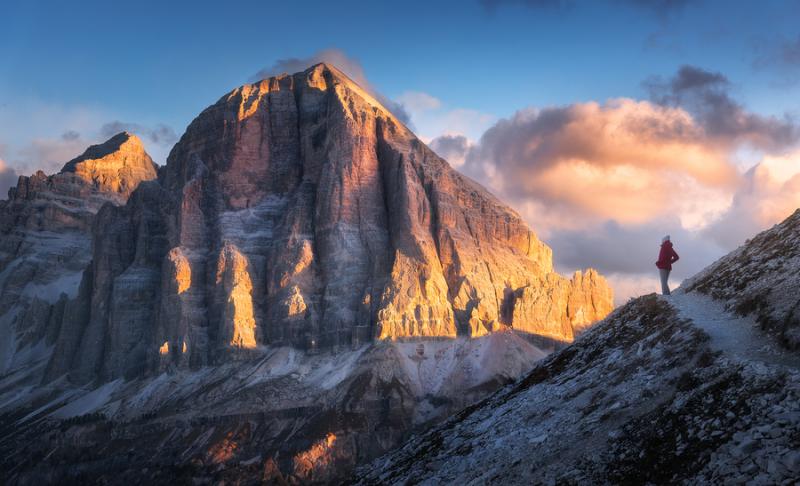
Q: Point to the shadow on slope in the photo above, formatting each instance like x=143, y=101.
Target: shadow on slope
x=288, y=416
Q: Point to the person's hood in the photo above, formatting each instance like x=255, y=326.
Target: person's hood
x=666, y=243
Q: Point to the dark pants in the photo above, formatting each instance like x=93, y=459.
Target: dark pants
x=664, y=273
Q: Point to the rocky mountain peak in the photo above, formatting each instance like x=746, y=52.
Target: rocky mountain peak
x=116, y=165
x=298, y=211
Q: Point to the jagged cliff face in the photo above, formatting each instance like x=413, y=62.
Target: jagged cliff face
x=46, y=241
x=298, y=211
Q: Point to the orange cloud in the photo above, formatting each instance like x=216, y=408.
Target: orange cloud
x=602, y=182
x=626, y=160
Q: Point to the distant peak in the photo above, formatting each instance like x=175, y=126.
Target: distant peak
x=113, y=144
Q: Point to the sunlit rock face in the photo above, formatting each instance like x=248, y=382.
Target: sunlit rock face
x=46, y=243
x=355, y=228
x=115, y=166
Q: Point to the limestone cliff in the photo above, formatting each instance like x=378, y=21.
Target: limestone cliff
x=116, y=166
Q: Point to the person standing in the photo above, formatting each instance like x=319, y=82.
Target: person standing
x=666, y=257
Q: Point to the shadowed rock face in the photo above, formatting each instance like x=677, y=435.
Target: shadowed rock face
x=298, y=211
x=46, y=242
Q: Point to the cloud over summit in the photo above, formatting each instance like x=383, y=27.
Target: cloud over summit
x=342, y=61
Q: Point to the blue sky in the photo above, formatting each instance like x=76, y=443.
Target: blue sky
x=164, y=61
x=71, y=72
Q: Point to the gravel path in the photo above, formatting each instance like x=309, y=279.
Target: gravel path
x=738, y=337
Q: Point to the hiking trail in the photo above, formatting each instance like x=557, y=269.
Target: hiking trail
x=738, y=337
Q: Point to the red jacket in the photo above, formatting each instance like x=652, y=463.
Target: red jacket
x=667, y=256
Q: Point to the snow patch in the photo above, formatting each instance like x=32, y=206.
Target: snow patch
x=88, y=403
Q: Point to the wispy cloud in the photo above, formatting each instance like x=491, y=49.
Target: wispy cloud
x=159, y=134
x=38, y=134
x=351, y=67
x=441, y=125
x=780, y=55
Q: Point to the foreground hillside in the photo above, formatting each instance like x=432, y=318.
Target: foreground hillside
x=641, y=398
x=761, y=278
x=685, y=389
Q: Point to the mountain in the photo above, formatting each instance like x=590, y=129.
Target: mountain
x=303, y=284
x=702, y=387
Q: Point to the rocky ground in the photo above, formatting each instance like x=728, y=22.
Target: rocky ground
x=288, y=416
x=761, y=278
x=700, y=387
x=642, y=398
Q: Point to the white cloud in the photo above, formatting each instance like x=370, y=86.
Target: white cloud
x=39, y=135
x=419, y=102
x=338, y=58
x=769, y=193
x=433, y=118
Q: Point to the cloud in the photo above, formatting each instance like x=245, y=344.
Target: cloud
x=70, y=135
x=452, y=148
x=160, y=134
x=769, y=193
x=433, y=118
x=778, y=52
x=602, y=182
x=48, y=154
x=588, y=161
x=790, y=52
x=337, y=57
x=631, y=249
x=781, y=55
x=8, y=179
x=706, y=95
x=628, y=286
x=419, y=101
x=351, y=67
